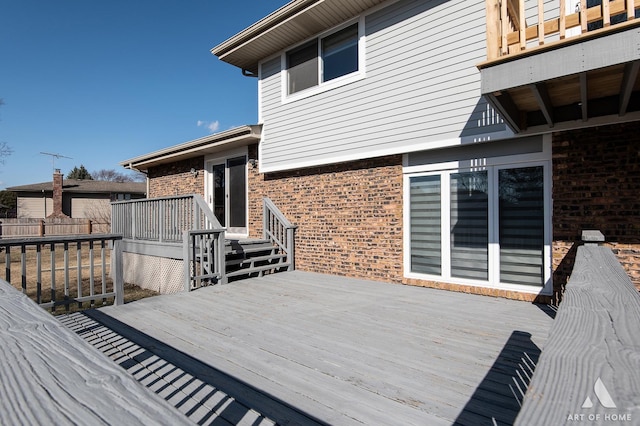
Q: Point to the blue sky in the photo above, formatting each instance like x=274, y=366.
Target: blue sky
x=105, y=81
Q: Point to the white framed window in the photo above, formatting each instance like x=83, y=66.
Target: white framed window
x=327, y=61
x=487, y=224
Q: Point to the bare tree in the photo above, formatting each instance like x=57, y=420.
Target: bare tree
x=111, y=175
x=5, y=150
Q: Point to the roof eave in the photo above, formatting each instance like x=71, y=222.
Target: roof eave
x=238, y=136
x=288, y=26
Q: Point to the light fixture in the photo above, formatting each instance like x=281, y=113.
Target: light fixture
x=253, y=162
x=194, y=172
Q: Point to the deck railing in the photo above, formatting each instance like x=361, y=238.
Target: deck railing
x=184, y=220
x=508, y=31
x=65, y=270
x=592, y=346
x=278, y=229
x=162, y=220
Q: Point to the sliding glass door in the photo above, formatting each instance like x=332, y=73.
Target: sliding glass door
x=485, y=225
x=228, y=192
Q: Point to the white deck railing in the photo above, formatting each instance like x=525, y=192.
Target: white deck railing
x=65, y=270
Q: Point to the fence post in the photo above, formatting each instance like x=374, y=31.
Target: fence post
x=118, y=278
x=89, y=228
x=41, y=230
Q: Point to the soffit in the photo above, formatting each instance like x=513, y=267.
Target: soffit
x=287, y=26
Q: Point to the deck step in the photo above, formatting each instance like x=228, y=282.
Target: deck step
x=254, y=260
x=275, y=267
x=246, y=258
x=246, y=246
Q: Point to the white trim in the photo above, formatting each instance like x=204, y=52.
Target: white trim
x=314, y=161
x=492, y=165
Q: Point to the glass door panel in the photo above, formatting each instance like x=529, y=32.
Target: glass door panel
x=219, y=192
x=521, y=216
x=237, y=192
x=470, y=225
x=425, y=225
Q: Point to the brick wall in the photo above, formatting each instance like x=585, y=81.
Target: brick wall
x=596, y=185
x=349, y=215
x=177, y=179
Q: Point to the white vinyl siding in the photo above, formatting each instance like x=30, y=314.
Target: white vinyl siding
x=421, y=91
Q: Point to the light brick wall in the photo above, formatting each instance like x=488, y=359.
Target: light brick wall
x=349, y=215
x=176, y=178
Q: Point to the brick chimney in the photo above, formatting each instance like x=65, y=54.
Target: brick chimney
x=57, y=195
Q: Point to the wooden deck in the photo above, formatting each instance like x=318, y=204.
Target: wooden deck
x=302, y=348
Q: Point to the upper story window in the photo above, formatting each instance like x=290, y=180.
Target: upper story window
x=323, y=59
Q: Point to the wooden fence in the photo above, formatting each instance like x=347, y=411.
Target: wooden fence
x=24, y=227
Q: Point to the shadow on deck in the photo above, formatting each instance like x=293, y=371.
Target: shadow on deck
x=203, y=393
x=500, y=395
x=303, y=348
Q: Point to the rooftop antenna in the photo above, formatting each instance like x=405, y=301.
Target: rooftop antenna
x=55, y=157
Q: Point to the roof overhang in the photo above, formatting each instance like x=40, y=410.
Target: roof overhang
x=581, y=79
x=233, y=138
x=287, y=26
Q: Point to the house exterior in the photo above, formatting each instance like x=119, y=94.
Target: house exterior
x=74, y=198
x=449, y=144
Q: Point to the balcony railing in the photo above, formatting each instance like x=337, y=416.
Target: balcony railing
x=514, y=27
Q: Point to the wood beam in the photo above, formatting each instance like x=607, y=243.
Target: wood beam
x=544, y=101
x=584, y=98
x=628, y=82
x=507, y=109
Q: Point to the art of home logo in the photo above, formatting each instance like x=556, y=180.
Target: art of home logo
x=603, y=398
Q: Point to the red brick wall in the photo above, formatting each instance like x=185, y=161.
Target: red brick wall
x=177, y=179
x=596, y=185
x=349, y=215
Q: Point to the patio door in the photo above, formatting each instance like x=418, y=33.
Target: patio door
x=227, y=192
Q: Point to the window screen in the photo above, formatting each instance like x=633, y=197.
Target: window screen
x=302, y=67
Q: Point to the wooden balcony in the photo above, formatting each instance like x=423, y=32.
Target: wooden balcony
x=549, y=69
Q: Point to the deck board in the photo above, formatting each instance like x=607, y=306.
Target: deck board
x=348, y=351
x=48, y=375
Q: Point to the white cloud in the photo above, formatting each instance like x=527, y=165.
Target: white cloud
x=213, y=126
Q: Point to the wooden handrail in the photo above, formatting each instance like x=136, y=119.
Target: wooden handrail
x=279, y=230
x=163, y=219
x=508, y=33
x=594, y=339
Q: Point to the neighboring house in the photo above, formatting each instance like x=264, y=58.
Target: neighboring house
x=73, y=198
x=428, y=143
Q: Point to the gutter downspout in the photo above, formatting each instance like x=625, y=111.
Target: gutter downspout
x=248, y=73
